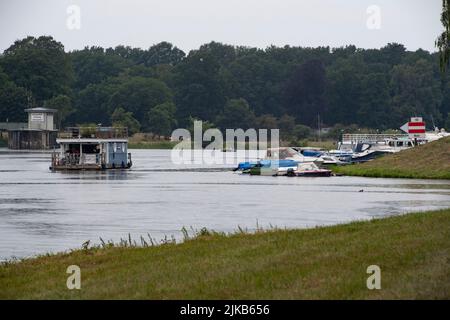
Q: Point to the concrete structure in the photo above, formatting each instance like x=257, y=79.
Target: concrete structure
x=40, y=118
x=40, y=133
x=6, y=126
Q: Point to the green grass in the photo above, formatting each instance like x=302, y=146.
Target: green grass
x=413, y=252
x=429, y=161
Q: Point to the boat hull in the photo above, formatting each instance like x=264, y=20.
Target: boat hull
x=315, y=173
x=87, y=167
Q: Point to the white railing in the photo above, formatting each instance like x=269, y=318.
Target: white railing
x=76, y=159
x=371, y=137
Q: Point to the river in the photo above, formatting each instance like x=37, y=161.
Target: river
x=43, y=211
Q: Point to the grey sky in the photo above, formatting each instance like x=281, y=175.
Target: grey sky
x=190, y=23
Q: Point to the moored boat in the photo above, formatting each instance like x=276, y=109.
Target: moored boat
x=308, y=169
x=92, y=148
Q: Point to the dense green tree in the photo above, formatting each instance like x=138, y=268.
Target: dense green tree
x=415, y=92
x=374, y=105
x=266, y=121
x=138, y=95
x=302, y=132
x=13, y=100
x=343, y=90
x=286, y=124
x=392, y=53
x=162, y=53
x=258, y=80
x=161, y=119
x=199, y=87
x=304, y=94
x=447, y=123
x=93, y=65
x=236, y=114
x=63, y=105
x=40, y=66
x=232, y=86
x=92, y=103
x=122, y=118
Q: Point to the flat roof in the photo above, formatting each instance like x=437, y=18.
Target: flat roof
x=88, y=140
x=41, y=110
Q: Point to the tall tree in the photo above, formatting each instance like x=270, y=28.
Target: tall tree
x=416, y=92
x=139, y=95
x=236, y=114
x=63, y=105
x=93, y=65
x=161, y=119
x=199, y=87
x=13, y=100
x=39, y=65
x=304, y=94
x=443, y=42
x=162, y=53
x=122, y=118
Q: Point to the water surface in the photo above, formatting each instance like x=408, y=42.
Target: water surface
x=43, y=211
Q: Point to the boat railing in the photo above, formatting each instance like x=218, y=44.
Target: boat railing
x=74, y=159
x=371, y=137
x=94, y=132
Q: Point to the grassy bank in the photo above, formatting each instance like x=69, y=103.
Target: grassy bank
x=429, y=161
x=413, y=252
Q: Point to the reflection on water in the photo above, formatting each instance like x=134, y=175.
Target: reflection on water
x=42, y=211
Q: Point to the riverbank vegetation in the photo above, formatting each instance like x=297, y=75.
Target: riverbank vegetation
x=160, y=88
x=429, y=161
x=412, y=251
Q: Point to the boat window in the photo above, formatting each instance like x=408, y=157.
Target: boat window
x=73, y=148
x=91, y=148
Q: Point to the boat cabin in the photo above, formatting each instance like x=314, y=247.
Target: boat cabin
x=96, y=148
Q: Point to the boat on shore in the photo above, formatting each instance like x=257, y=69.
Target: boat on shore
x=91, y=148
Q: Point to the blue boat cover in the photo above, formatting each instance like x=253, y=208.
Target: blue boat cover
x=312, y=153
x=267, y=163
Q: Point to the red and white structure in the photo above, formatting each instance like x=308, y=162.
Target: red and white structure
x=415, y=128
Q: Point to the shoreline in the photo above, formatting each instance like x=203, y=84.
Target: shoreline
x=428, y=161
x=322, y=262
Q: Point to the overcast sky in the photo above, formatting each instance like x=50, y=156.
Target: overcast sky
x=190, y=23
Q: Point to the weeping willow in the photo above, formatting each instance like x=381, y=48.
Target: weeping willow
x=443, y=42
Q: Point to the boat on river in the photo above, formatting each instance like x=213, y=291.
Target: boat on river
x=308, y=169
x=287, y=157
x=92, y=148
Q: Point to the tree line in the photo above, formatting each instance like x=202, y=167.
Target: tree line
x=162, y=87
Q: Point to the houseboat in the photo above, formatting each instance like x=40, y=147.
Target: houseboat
x=92, y=148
